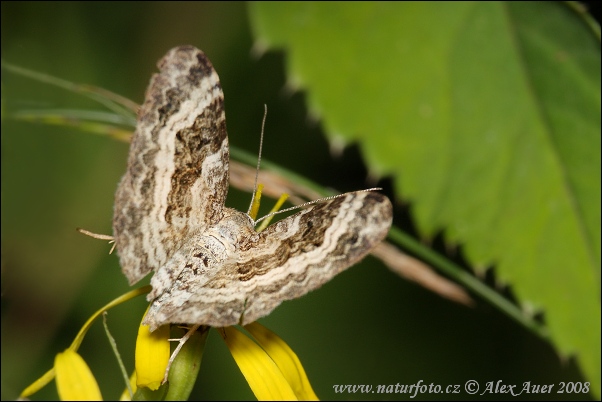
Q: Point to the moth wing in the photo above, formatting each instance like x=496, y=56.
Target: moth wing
x=287, y=260
x=304, y=251
x=177, y=175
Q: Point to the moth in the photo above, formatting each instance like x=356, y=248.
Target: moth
x=210, y=265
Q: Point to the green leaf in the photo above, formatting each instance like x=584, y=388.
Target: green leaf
x=488, y=117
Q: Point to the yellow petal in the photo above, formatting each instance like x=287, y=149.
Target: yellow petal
x=286, y=360
x=74, y=380
x=152, y=356
x=37, y=384
x=265, y=378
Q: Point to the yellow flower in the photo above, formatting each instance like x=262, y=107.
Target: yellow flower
x=269, y=365
x=271, y=368
x=69, y=366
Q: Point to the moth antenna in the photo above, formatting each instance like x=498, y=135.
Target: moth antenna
x=305, y=204
x=265, y=115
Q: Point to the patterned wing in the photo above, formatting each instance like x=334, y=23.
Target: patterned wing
x=177, y=175
x=287, y=260
x=303, y=252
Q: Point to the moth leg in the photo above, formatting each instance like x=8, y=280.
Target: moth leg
x=181, y=341
x=99, y=236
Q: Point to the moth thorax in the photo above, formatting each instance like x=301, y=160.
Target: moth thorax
x=234, y=228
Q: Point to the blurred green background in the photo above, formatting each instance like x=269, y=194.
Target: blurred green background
x=368, y=326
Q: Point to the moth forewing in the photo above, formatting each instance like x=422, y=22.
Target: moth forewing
x=176, y=180
x=302, y=252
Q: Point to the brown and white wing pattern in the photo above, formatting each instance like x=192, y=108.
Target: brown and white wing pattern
x=177, y=175
x=301, y=253
x=258, y=271
x=210, y=266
